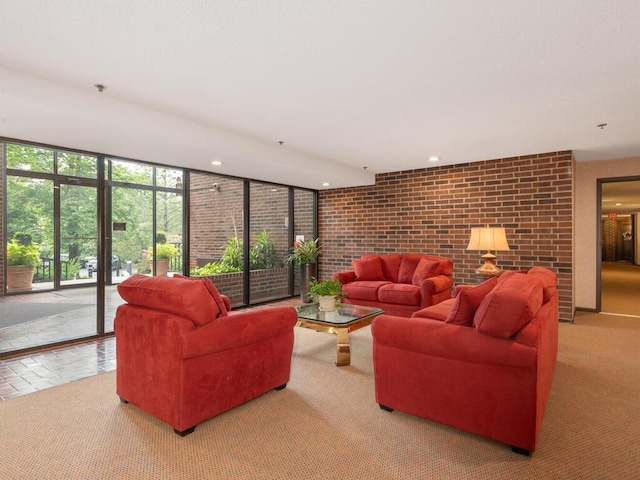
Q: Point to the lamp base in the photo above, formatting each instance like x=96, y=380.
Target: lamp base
x=489, y=269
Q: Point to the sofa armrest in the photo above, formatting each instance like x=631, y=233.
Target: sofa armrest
x=432, y=286
x=227, y=302
x=238, y=329
x=433, y=338
x=345, y=276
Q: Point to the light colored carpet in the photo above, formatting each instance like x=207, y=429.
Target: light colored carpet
x=326, y=425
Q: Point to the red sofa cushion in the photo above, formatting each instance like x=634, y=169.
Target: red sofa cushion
x=363, y=290
x=213, y=291
x=180, y=296
x=390, y=265
x=439, y=311
x=548, y=279
x=424, y=269
x=408, y=267
x=399, y=294
x=509, y=306
x=467, y=302
x=368, y=269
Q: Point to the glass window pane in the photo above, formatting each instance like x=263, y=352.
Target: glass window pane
x=168, y=247
x=23, y=157
x=131, y=172
x=216, y=232
x=170, y=178
x=77, y=165
x=269, y=207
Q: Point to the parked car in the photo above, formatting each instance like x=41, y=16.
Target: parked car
x=92, y=263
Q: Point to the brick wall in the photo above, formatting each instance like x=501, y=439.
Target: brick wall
x=432, y=211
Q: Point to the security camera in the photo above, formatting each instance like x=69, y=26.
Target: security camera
x=216, y=187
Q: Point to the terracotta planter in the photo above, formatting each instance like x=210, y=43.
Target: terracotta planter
x=162, y=267
x=19, y=278
x=307, y=271
x=327, y=303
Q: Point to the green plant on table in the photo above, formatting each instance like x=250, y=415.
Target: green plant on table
x=327, y=288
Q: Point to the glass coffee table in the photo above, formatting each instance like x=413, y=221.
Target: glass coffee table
x=346, y=318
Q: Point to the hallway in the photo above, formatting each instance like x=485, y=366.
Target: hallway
x=620, y=288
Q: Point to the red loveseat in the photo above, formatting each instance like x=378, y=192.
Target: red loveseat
x=183, y=358
x=399, y=284
x=482, y=362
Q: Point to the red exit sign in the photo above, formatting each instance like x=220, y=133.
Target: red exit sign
x=613, y=215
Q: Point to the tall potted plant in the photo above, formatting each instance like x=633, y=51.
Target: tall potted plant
x=22, y=259
x=305, y=254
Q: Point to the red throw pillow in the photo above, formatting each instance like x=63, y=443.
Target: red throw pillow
x=213, y=291
x=425, y=269
x=509, y=306
x=179, y=296
x=467, y=302
x=408, y=267
x=368, y=269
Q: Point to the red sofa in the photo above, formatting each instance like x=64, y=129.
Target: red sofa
x=399, y=284
x=482, y=362
x=183, y=358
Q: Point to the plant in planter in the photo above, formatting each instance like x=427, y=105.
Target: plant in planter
x=305, y=254
x=165, y=252
x=329, y=292
x=22, y=258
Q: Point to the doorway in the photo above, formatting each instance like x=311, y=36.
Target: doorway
x=619, y=255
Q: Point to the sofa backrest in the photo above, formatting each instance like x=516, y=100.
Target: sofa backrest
x=400, y=267
x=190, y=298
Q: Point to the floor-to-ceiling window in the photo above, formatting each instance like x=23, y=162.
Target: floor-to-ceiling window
x=90, y=221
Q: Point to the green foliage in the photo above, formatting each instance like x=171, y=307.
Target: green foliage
x=215, y=268
x=263, y=254
x=232, y=255
x=161, y=237
x=164, y=250
x=327, y=288
x=21, y=250
x=305, y=252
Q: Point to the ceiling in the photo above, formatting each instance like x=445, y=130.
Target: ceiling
x=306, y=92
x=621, y=198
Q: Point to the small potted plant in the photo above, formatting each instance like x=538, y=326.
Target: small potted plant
x=329, y=293
x=23, y=256
x=165, y=252
x=305, y=254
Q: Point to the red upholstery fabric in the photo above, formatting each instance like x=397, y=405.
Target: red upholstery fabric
x=408, y=267
x=439, y=311
x=424, y=269
x=223, y=304
x=434, y=288
x=180, y=296
x=368, y=269
x=509, y=306
x=399, y=293
x=455, y=375
x=467, y=302
x=184, y=373
x=363, y=290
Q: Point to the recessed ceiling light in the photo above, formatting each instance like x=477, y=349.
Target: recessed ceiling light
x=618, y=204
x=433, y=158
x=326, y=184
x=217, y=163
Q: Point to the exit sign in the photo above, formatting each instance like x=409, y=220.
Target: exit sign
x=613, y=215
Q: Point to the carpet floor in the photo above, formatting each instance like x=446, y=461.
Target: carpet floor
x=326, y=425
x=16, y=313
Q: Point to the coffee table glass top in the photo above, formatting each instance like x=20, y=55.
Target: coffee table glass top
x=343, y=315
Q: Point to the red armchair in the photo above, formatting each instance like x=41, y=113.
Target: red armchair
x=183, y=358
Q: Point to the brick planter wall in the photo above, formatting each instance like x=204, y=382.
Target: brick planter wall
x=432, y=211
x=270, y=283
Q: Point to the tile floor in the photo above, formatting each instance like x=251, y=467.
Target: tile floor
x=37, y=371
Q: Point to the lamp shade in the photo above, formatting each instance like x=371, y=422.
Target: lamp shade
x=488, y=238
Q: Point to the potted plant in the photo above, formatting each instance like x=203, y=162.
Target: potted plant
x=165, y=252
x=22, y=258
x=305, y=254
x=329, y=292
